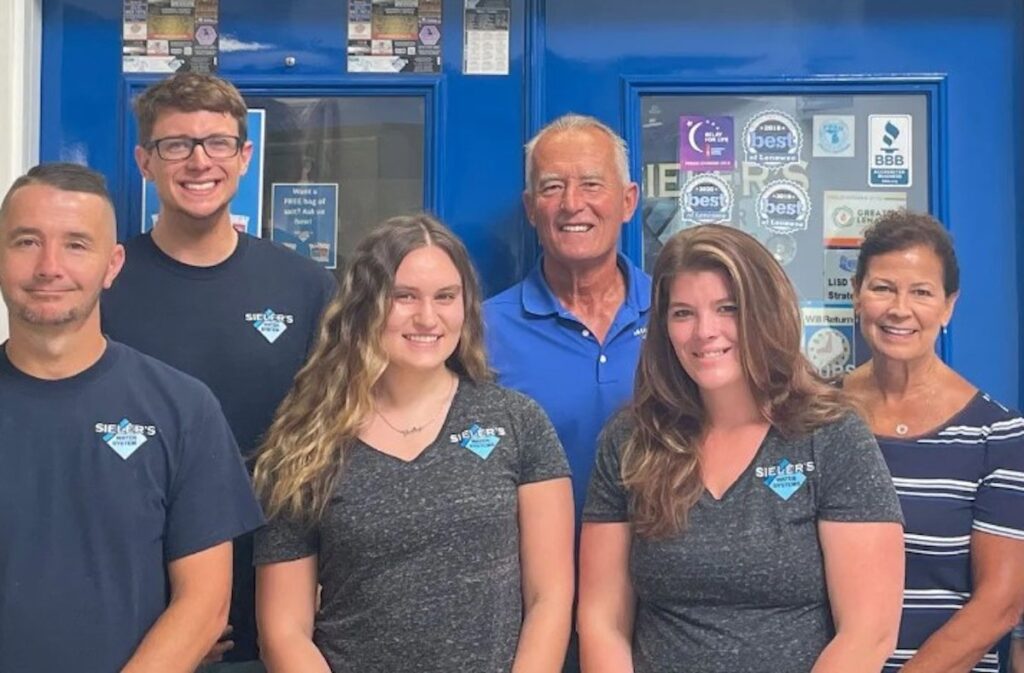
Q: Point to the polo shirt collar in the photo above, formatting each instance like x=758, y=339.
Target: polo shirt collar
x=539, y=300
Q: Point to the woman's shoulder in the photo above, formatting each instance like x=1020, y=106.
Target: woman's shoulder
x=493, y=396
x=990, y=415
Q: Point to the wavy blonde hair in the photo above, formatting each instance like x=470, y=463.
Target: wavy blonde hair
x=319, y=420
x=660, y=460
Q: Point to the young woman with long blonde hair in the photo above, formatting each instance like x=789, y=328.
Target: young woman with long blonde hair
x=432, y=506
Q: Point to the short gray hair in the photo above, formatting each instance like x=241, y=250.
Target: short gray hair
x=578, y=122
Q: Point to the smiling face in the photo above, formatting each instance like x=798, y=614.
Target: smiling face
x=703, y=327
x=427, y=312
x=578, y=201
x=902, y=304
x=199, y=188
x=57, y=254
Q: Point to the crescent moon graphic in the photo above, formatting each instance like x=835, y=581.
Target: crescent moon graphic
x=693, y=137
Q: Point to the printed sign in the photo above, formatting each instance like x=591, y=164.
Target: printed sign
x=840, y=265
x=485, y=37
x=392, y=36
x=834, y=136
x=890, y=150
x=848, y=214
x=305, y=219
x=706, y=143
x=246, y=206
x=772, y=139
x=828, y=337
x=167, y=36
x=706, y=199
x=783, y=207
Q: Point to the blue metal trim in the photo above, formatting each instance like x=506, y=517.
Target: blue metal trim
x=434, y=112
x=534, y=116
x=1018, y=216
x=932, y=85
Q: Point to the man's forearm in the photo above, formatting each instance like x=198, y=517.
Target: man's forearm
x=180, y=637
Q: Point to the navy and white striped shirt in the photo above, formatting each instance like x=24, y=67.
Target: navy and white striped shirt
x=965, y=476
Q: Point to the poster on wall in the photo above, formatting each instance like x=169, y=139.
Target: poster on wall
x=392, y=36
x=485, y=40
x=828, y=337
x=247, y=206
x=305, y=219
x=167, y=36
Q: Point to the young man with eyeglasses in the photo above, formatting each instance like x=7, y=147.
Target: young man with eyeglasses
x=237, y=312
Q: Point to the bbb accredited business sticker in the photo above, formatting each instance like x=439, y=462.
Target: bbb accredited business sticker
x=890, y=150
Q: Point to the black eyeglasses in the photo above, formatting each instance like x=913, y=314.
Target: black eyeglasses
x=178, y=148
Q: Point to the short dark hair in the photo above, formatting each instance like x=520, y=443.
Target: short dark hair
x=899, y=230
x=188, y=92
x=64, y=176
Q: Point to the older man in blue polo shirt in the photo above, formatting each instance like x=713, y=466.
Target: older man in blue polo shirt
x=569, y=334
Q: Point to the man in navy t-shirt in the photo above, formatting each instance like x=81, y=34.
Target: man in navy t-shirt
x=239, y=313
x=121, y=486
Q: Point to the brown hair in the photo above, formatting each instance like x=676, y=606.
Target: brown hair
x=319, y=420
x=188, y=92
x=899, y=230
x=64, y=176
x=660, y=460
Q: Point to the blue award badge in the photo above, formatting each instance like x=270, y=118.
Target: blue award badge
x=783, y=207
x=785, y=479
x=706, y=199
x=772, y=139
x=480, y=441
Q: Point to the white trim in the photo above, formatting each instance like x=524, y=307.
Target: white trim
x=21, y=40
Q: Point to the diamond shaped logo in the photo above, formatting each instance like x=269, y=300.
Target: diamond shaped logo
x=480, y=442
x=785, y=482
x=270, y=326
x=126, y=440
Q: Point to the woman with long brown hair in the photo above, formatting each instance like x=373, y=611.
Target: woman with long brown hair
x=740, y=518
x=432, y=506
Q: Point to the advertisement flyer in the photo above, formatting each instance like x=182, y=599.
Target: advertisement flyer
x=392, y=36
x=305, y=219
x=167, y=36
x=848, y=214
x=485, y=41
x=828, y=337
x=247, y=206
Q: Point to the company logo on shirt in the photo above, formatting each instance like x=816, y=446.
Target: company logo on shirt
x=786, y=478
x=640, y=332
x=125, y=437
x=270, y=324
x=480, y=441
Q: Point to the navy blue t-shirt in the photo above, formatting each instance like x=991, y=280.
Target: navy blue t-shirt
x=107, y=477
x=243, y=327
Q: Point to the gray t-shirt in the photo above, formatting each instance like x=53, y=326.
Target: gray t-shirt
x=742, y=589
x=419, y=561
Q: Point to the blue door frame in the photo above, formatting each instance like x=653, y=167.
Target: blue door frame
x=595, y=57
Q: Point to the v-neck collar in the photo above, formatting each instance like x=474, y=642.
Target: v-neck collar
x=430, y=448
x=744, y=476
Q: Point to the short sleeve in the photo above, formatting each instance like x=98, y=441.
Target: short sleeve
x=211, y=499
x=283, y=539
x=607, y=499
x=999, y=503
x=541, y=456
x=855, y=482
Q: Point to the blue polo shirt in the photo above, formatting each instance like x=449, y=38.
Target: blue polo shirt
x=540, y=348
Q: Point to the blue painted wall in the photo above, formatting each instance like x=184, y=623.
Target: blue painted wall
x=573, y=55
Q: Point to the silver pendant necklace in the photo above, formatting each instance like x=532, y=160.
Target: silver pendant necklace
x=413, y=429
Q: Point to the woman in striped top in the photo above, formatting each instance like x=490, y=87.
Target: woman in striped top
x=956, y=455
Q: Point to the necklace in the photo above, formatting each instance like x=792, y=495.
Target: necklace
x=413, y=429
x=902, y=429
